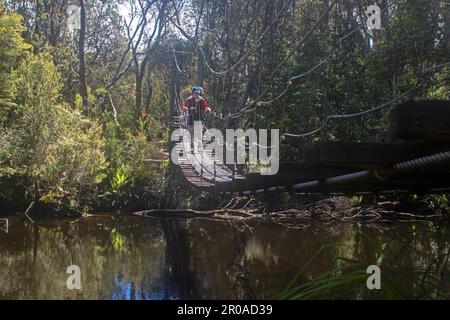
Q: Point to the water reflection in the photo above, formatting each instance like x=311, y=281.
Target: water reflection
x=135, y=258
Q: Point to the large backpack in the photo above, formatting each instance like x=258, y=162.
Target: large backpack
x=195, y=110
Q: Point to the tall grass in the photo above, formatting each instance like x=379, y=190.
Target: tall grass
x=347, y=279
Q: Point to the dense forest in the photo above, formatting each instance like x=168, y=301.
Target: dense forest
x=85, y=111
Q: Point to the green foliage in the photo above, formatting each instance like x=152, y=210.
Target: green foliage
x=12, y=49
x=119, y=180
x=61, y=153
x=438, y=203
x=432, y=203
x=57, y=151
x=37, y=83
x=50, y=152
x=118, y=241
x=12, y=45
x=131, y=181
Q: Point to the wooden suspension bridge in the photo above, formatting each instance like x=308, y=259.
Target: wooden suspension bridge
x=414, y=158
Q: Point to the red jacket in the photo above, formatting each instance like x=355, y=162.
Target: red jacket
x=195, y=109
x=188, y=103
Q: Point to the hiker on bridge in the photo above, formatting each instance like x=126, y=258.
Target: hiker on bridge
x=195, y=106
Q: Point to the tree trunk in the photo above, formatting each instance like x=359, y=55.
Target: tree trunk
x=82, y=58
x=172, y=102
x=149, y=95
x=138, y=92
x=201, y=69
x=445, y=43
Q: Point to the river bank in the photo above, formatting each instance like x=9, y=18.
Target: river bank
x=279, y=207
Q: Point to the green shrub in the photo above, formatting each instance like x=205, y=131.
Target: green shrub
x=12, y=50
x=132, y=182
x=58, y=152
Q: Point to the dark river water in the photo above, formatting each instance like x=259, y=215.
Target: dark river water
x=138, y=258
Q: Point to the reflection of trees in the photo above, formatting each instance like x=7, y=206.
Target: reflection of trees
x=239, y=267
x=238, y=263
x=138, y=258
x=33, y=260
x=179, y=280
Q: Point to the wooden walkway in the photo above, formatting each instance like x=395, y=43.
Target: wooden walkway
x=415, y=159
x=200, y=169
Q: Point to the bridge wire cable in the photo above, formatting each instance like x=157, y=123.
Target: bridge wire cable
x=176, y=62
x=350, y=115
x=177, y=98
x=230, y=115
x=291, y=79
x=257, y=101
x=305, y=38
x=289, y=82
x=250, y=50
x=357, y=114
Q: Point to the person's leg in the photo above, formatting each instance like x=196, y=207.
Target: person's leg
x=190, y=128
x=198, y=134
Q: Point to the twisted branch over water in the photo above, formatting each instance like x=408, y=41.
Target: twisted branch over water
x=328, y=210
